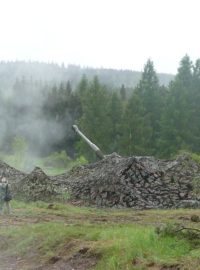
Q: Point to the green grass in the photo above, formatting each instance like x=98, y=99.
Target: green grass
x=119, y=245
x=39, y=208
x=137, y=242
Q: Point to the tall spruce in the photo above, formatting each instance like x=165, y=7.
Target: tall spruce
x=149, y=92
x=95, y=121
x=175, y=125
x=115, y=111
x=194, y=109
x=136, y=128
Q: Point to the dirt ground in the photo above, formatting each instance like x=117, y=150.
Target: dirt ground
x=83, y=259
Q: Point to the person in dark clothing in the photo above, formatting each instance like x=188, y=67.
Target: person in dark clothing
x=5, y=196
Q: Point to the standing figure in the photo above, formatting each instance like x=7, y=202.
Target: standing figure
x=5, y=196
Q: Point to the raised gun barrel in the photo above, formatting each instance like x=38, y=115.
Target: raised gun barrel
x=92, y=145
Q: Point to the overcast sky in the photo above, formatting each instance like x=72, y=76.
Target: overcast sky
x=120, y=34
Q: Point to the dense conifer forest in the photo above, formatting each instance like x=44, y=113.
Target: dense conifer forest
x=131, y=113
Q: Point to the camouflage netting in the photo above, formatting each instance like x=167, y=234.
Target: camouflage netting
x=11, y=173
x=13, y=176
x=36, y=186
x=137, y=182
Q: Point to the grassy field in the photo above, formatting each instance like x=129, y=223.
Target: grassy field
x=54, y=236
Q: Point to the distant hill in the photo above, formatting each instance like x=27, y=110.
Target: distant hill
x=54, y=73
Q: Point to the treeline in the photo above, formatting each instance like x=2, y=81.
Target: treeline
x=54, y=73
x=153, y=120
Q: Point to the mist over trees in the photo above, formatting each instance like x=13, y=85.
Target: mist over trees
x=52, y=73
x=146, y=118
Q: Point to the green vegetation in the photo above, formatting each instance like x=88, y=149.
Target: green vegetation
x=147, y=119
x=54, y=164
x=195, y=157
x=58, y=160
x=19, y=146
x=111, y=235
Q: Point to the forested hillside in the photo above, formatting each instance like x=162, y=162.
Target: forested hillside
x=54, y=73
x=147, y=119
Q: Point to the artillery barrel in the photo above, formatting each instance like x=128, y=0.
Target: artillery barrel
x=92, y=145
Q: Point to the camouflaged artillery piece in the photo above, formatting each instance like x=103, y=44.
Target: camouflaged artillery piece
x=93, y=146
